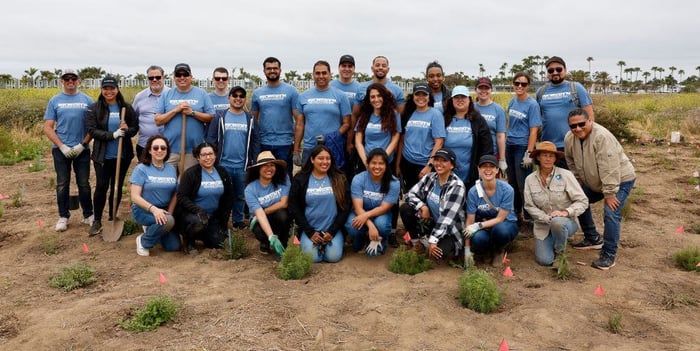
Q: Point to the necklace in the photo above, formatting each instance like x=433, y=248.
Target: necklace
x=319, y=183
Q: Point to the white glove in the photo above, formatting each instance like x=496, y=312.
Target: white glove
x=527, y=161
x=118, y=133
x=471, y=229
x=374, y=248
x=66, y=150
x=77, y=150
x=296, y=159
x=502, y=165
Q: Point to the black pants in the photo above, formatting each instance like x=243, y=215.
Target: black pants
x=410, y=221
x=280, y=223
x=212, y=235
x=104, y=173
x=409, y=173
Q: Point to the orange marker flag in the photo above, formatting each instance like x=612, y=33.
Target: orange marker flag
x=503, y=346
x=507, y=272
x=162, y=279
x=40, y=222
x=3, y=197
x=296, y=240
x=680, y=230
x=407, y=237
x=697, y=265
x=85, y=248
x=505, y=258
x=599, y=291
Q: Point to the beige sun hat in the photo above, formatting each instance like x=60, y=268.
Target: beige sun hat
x=267, y=157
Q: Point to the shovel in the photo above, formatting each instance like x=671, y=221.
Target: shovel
x=181, y=165
x=114, y=232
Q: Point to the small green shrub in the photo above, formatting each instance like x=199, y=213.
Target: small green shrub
x=158, y=310
x=408, y=262
x=37, y=165
x=615, y=323
x=478, y=291
x=130, y=227
x=2, y=210
x=688, y=258
x=74, y=276
x=49, y=243
x=563, y=268
x=294, y=264
x=234, y=246
x=18, y=196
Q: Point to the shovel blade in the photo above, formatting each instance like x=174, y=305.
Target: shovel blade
x=112, y=233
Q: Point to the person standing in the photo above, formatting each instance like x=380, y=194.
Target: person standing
x=322, y=112
x=378, y=126
x=273, y=107
x=436, y=80
x=145, y=104
x=599, y=163
x=556, y=99
x=346, y=78
x=64, y=125
x=220, y=97
x=184, y=101
x=495, y=117
x=103, y=120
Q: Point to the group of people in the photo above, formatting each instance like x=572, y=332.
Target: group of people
x=203, y=157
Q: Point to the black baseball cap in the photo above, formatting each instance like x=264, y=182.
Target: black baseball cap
x=555, y=59
x=348, y=59
x=488, y=159
x=446, y=154
x=235, y=89
x=183, y=67
x=421, y=87
x=109, y=81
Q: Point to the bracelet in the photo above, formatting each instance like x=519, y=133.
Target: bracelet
x=149, y=208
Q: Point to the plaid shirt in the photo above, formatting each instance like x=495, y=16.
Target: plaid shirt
x=452, y=202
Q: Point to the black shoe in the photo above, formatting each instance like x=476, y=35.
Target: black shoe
x=589, y=244
x=239, y=225
x=392, y=240
x=95, y=228
x=604, y=262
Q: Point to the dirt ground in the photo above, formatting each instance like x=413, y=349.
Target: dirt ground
x=356, y=304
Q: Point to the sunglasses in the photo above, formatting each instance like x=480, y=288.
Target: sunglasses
x=180, y=75
x=159, y=147
x=70, y=79
x=220, y=79
x=240, y=96
x=155, y=78
x=579, y=124
x=520, y=84
x=558, y=69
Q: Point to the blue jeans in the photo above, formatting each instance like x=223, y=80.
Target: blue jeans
x=155, y=233
x=81, y=167
x=332, y=253
x=238, y=180
x=517, y=174
x=494, y=238
x=281, y=152
x=611, y=219
x=360, y=238
x=559, y=231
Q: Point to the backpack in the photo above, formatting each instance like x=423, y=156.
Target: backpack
x=572, y=88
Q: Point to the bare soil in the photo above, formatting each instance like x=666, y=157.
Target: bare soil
x=356, y=304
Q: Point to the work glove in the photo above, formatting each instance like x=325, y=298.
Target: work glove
x=296, y=158
x=253, y=223
x=203, y=218
x=471, y=229
x=374, y=248
x=66, y=150
x=502, y=165
x=77, y=150
x=276, y=244
x=118, y=133
x=527, y=161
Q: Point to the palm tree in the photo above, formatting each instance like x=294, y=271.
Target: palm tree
x=589, y=59
x=482, y=70
x=681, y=73
x=672, y=69
x=30, y=73
x=646, y=75
x=502, y=70
x=698, y=69
x=603, y=78
x=621, y=64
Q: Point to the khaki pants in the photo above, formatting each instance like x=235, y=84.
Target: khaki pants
x=174, y=160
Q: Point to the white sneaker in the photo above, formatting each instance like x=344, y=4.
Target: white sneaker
x=140, y=250
x=89, y=220
x=62, y=224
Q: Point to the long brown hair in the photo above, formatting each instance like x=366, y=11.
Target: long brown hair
x=337, y=177
x=386, y=112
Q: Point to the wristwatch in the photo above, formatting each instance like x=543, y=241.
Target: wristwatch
x=192, y=113
x=481, y=225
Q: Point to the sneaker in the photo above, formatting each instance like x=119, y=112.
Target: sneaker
x=264, y=249
x=604, y=262
x=140, y=250
x=88, y=220
x=62, y=224
x=588, y=244
x=95, y=228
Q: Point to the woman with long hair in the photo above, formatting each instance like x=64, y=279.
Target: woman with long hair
x=495, y=117
x=378, y=125
x=103, y=122
x=319, y=203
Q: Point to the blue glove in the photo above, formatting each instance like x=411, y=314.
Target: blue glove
x=374, y=248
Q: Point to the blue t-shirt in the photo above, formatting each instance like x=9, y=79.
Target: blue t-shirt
x=363, y=187
x=158, y=184
x=437, y=97
x=258, y=196
x=393, y=88
x=375, y=137
x=421, y=131
x=219, y=102
x=320, y=208
x=496, y=119
x=502, y=198
x=69, y=113
x=233, y=154
x=556, y=104
x=112, y=125
x=460, y=140
x=522, y=115
x=210, y=191
x=350, y=89
x=275, y=106
x=145, y=105
x=323, y=112
x=200, y=102
x=433, y=202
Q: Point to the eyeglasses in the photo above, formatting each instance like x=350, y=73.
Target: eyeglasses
x=240, y=96
x=520, y=84
x=180, y=75
x=579, y=124
x=220, y=79
x=159, y=147
x=207, y=154
x=558, y=69
x=155, y=78
x=70, y=79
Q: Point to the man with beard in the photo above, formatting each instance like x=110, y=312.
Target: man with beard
x=273, y=106
x=145, y=104
x=557, y=98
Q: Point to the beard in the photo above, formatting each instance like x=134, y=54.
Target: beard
x=556, y=79
x=273, y=78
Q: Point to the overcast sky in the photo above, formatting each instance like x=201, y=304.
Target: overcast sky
x=126, y=36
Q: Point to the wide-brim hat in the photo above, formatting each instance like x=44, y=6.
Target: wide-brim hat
x=546, y=146
x=267, y=157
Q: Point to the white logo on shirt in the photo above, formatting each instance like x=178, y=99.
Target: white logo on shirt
x=273, y=97
x=189, y=101
x=372, y=195
x=79, y=105
x=162, y=180
x=516, y=114
x=271, y=196
x=556, y=96
x=418, y=124
x=236, y=126
x=212, y=184
x=319, y=191
x=322, y=101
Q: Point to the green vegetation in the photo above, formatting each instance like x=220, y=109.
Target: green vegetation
x=615, y=323
x=18, y=197
x=158, y=310
x=130, y=227
x=234, y=246
x=408, y=262
x=74, y=276
x=687, y=258
x=37, y=166
x=563, y=268
x=478, y=291
x=294, y=264
x=2, y=209
x=49, y=243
